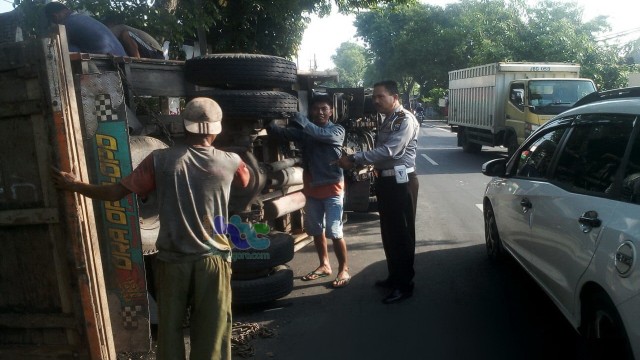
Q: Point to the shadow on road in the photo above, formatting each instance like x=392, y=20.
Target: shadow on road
x=464, y=307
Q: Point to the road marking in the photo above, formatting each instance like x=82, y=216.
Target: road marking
x=429, y=159
x=438, y=148
x=479, y=206
x=447, y=130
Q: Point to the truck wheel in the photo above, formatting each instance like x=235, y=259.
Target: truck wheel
x=280, y=251
x=148, y=210
x=252, y=104
x=468, y=146
x=512, y=145
x=249, y=71
x=277, y=284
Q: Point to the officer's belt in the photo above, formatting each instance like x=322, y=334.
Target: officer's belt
x=392, y=172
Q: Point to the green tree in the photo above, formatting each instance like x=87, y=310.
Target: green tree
x=351, y=62
x=250, y=26
x=418, y=44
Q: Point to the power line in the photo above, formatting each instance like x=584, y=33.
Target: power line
x=618, y=34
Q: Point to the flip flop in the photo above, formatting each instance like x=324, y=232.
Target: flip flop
x=314, y=275
x=340, y=283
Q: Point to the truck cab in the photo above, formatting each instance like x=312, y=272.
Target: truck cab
x=532, y=102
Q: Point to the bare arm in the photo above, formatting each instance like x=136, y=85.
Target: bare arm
x=69, y=182
x=130, y=46
x=242, y=175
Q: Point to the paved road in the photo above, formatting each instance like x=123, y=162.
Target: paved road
x=464, y=307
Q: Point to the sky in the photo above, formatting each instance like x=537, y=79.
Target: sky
x=324, y=35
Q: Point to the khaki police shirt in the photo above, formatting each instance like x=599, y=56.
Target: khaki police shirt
x=397, y=142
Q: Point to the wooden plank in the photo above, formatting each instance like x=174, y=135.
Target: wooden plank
x=42, y=352
x=80, y=220
x=36, y=321
x=21, y=108
x=13, y=55
x=29, y=217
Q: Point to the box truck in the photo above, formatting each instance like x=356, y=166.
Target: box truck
x=500, y=104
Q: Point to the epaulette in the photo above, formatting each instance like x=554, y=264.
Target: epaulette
x=400, y=117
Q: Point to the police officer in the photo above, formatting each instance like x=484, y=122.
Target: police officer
x=396, y=187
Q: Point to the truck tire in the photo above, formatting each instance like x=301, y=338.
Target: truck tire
x=277, y=284
x=468, y=146
x=252, y=104
x=148, y=210
x=280, y=251
x=512, y=145
x=241, y=71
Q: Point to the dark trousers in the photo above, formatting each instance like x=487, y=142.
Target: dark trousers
x=397, y=207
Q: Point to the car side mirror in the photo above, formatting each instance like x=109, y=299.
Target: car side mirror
x=495, y=167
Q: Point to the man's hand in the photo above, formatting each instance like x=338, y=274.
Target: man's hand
x=107, y=192
x=63, y=180
x=345, y=162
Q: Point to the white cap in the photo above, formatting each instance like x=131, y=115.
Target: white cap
x=202, y=116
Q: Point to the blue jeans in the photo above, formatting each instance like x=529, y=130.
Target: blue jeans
x=324, y=213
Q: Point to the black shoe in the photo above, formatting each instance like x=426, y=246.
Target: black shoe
x=386, y=283
x=396, y=296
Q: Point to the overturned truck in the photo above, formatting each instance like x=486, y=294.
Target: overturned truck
x=80, y=283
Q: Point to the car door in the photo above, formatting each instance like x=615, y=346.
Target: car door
x=511, y=196
x=571, y=208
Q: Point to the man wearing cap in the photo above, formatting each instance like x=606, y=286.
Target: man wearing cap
x=193, y=267
x=394, y=159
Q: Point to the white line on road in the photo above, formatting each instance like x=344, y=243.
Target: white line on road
x=438, y=148
x=479, y=206
x=429, y=159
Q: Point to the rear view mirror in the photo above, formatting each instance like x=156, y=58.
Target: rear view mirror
x=495, y=167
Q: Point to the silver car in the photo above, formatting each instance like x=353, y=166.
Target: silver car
x=566, y=206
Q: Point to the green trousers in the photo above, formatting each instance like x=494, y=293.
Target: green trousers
x=205, y=285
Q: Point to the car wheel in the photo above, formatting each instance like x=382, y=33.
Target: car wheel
x=603, y=330
x=491, y=235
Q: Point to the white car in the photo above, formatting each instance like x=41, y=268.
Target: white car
x=566, y=206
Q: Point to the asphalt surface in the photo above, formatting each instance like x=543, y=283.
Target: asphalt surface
x=464, y=306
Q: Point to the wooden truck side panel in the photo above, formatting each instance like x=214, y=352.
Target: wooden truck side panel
x=52, y=299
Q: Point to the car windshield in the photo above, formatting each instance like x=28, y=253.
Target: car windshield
x=551, y=97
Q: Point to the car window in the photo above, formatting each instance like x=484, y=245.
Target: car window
x=592, y=155
x=631, y=181
x=534, y=160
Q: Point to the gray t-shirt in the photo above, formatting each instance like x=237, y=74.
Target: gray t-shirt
x=193, y=186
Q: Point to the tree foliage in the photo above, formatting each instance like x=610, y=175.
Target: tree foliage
x=273, y=27
x=418, y=44
x=351, y=61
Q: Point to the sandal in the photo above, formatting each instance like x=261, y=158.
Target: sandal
x=314, y=275
x=340, y=283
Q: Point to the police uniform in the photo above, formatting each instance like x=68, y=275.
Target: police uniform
x=397, y=191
